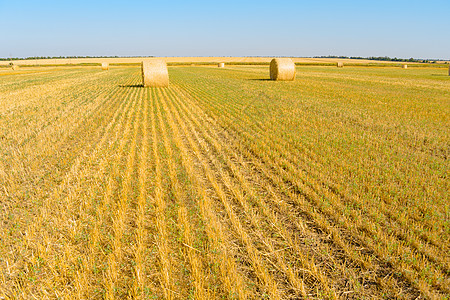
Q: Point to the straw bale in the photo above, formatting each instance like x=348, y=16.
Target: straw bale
x=155, y=73
x=282, y=69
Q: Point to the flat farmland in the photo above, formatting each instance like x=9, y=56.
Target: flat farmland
x=225, y=185
x=179, y=60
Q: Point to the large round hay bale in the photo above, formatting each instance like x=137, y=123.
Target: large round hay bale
x=221, y=65
x=105, y=66
x=449, y=70
x=340, y=64
x=155, y=73
x=282, y=69
x=404, y=66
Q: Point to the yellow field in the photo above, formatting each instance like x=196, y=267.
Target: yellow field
x=224, y=185
x=134, y=60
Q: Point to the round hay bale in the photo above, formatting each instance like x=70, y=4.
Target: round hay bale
x=105, y=66
x=155, y=73
x=221, y=65
x=340, y=64
x=404, y=66
x=282, y=69
x=15, y=67
x=449, y=70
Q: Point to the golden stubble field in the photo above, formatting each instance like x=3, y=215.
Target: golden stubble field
x=191, y=60
x=224, y=185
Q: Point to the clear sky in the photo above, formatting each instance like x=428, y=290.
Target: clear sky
x=395, y=28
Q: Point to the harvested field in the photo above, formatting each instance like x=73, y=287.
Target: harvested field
x=196, y=60
x=225, y=185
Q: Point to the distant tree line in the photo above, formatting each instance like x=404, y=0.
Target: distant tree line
x=382, y=58
x=62, y=57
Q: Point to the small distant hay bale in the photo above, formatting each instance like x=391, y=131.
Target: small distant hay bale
x=340, y=64
x=404, y=66
x=155, y=73
x=15, y=67
x=282, y=69
x=221, y=65
x=105, y=66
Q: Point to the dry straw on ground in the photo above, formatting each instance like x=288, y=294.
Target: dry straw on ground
x=105, y=66
x=155, y=73
x=282, y=69
x=404, y=66
x=340, y=64
x=221, y=65
x=182, y=193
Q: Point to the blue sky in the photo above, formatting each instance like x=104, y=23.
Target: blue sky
x=418, y=29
